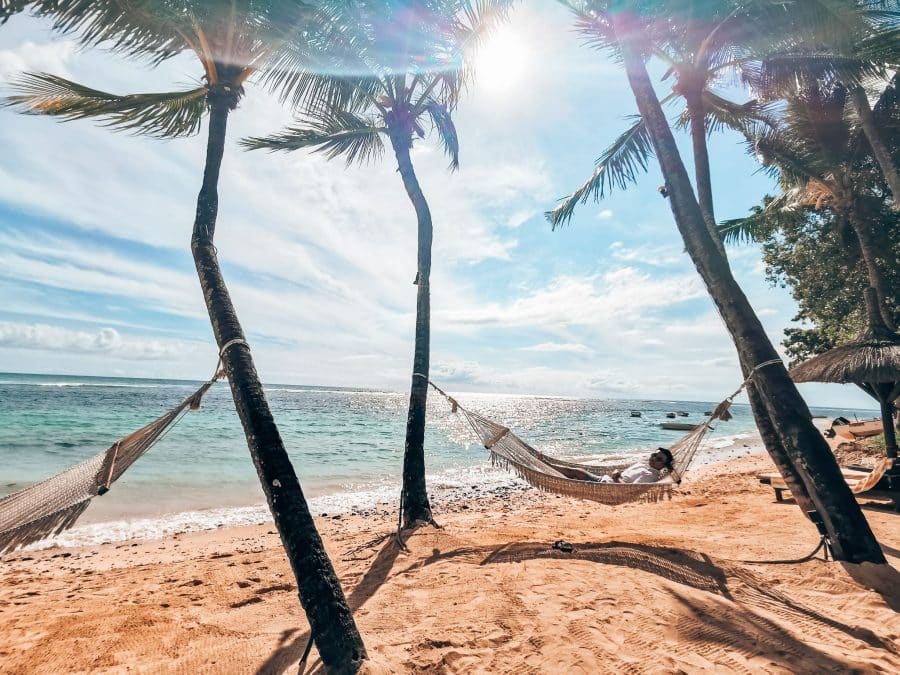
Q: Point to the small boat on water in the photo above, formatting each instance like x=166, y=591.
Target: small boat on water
x=635, y=413
x=681, y=413
x=678, y=426
x=857, y=429
x=670, y=415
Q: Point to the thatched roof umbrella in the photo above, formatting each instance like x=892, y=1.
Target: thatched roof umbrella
x=871, y=361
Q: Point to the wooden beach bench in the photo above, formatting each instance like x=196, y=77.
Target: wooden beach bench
x=888, y=488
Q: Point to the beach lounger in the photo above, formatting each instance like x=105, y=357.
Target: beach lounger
x=887, y=486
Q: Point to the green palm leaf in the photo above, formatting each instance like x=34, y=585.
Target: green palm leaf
x=325, y=63
x=724, y=114
x=333, y=132
x=756, y=227
x=163, y=115
x=10, y=7
x=157, y=29
x=618, y=166
x=443, y=124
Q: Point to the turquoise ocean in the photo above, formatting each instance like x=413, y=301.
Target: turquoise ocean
x=346, y=445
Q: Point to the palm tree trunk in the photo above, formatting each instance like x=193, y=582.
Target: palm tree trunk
x=703, y=178
x=876, y=142
x=775, y=448
x=872, y=258
x=848, y=532
x=414, y=502
x=331, y=622
x=887, y=419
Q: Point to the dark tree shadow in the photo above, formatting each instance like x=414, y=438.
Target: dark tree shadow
x=889, y=550
x=684, y=567
x=689, y=568
x=740, y=629
x=697, y=570
x=883, y=579
x=758, y=593
x=287, y=654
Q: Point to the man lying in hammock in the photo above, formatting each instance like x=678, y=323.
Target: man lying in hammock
x=643, y=472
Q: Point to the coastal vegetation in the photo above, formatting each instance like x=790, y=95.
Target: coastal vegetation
x=822, y=120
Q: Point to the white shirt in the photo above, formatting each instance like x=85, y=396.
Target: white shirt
x=636, y=473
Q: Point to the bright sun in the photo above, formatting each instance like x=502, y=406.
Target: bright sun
x=501, y=63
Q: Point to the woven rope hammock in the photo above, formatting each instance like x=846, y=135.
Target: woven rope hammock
x=582, y=480
x=53, y=505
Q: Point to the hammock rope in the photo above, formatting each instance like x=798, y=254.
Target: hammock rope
x=582, y=481
x=53, y=505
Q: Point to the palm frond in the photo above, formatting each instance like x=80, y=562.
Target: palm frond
x=724, y=114
x=474, y=23
x=443, y=124
x=887, y=108
x=779, y=157
x=756, y=227
x=593, y=23
x=335, y=133
x=163, y=115
x=10, y=7
x=326, y=62
x=786, y=73
x=157, y=29
x=618, y=166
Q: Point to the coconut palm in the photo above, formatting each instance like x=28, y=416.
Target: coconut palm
x=624, y=31
x=408, y=63
x=703, y=44
x=822, y=160
x=232, y=41
x=854, y=43
x=706, y=46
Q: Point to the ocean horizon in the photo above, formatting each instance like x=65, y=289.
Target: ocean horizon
x=346, y=445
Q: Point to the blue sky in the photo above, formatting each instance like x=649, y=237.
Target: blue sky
x=96, y=275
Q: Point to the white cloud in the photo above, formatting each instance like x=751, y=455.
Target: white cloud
x=605, y=214
x=49, y=57
x=564, y=347
x=658, y=256
x=611, y=383
x=518, y=218
x=461, y=373
x=44, y=337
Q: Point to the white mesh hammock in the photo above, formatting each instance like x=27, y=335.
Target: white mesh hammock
x=582, y=480
x=53, y=505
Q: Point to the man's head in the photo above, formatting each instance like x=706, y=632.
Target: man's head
x=661, y=459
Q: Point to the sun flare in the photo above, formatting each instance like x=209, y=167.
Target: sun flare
x=501, y=62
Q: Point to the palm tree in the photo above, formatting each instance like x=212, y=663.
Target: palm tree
x=409, y=65
x=854, y=43
x=822, y=161
x=232, y=41
x=707, y=44
x=843, y=521
x=703, y=44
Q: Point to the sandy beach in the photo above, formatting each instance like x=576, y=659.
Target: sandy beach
x=656, y=588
